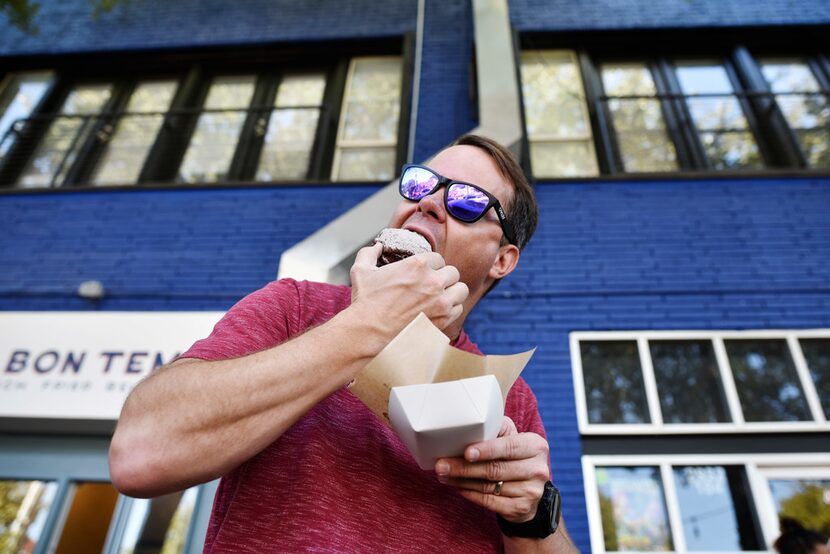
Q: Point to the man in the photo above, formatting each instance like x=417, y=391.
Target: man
x=264, y=403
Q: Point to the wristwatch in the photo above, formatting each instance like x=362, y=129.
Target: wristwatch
x=543, y=524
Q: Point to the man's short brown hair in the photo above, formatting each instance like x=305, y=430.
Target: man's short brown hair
x=522, y=211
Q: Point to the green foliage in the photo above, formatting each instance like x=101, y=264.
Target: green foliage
x=809, y=508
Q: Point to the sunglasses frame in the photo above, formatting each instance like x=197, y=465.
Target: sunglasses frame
x=493, y=202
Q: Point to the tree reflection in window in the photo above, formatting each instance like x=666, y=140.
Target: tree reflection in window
x=639, y=126
x=19, y=96
x=633, y=509
x=681, y=367
x=59, y=148
x=817, y=354
x=614, y=387
x=134, y=134
x=368, y=131
x=806, y=109
x=24, y=506
x=213, y=144
x=766, y=380
x=719, y=120
x=556, y=114
x=287, y=145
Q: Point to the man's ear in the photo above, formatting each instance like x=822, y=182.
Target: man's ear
x=505, y=262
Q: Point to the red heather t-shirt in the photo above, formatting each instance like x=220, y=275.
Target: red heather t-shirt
x=339, y=480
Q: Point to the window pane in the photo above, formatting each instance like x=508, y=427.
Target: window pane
x=688, y=382
x=805, y=500
x=633, y=509
x=642, y=139
x=18, y=98
x=134, y=135
x=766, y=380
x=369, y=119
x=614, y=387
x=715, y=508
x=57, y=152
x=374, y=164
x=817, y=354
x=554, y=103
x=806, y=110
x=24, y=506
x=159, y=525
x=214, y=140
x=292, y=127
x=88, y=519
x=718, y=117
x=567, y=158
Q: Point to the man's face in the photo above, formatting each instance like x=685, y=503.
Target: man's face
x=473, y=248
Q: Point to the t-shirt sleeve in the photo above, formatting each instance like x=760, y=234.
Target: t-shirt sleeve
x=522, y=408
x=261, y=320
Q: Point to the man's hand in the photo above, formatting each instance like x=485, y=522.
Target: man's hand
x=395, y=293
x=519, y=460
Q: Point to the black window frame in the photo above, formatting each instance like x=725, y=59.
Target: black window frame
x=738, y=50
x=194, y=70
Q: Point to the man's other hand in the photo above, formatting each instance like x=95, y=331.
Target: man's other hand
x=396, y=293
x=518, y=460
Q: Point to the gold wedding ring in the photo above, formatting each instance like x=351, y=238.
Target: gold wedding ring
x=499, y=485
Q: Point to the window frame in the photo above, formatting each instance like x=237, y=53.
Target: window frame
x=193, y=70
x=818, y=424
x=758, y=467
x=738, y=50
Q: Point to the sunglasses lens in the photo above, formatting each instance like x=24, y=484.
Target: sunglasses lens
x=466, y=202
x=417, y=183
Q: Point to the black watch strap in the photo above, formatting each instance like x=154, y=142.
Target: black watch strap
x=544, y=523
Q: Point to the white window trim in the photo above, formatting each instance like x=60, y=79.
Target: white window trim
x=759, y=467
x=657, y=426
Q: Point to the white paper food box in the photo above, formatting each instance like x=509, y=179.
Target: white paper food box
x=438, y=420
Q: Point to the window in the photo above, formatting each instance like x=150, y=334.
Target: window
x=805, y=107
x=126, y=150
x=600, y=111
x=693, y=381
x=721, y=126
x=556, y=117
x=158, y=524
x=701, y=502
x=57, y=152
x=637, y=118
x=339, y=119
x=369, y=124
x=24, y=506
x=209, y=155
x=288, y=142
x=20, y=94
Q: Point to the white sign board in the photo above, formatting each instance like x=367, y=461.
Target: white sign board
x=82, y=365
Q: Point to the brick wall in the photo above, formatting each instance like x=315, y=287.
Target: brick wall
x=679, y=254
x=720, y=254
x=557, y=15
x=68, y=26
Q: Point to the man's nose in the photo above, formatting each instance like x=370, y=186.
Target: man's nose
x=433, y=205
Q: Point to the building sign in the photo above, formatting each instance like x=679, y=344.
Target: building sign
x=82, y=365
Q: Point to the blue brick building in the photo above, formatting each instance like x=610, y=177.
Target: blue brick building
x=676, y=288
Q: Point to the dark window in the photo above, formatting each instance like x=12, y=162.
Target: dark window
x=338, y=119
x=817, y=354
x=766, y=380
x=614, y=386
x=683, y=366
x=726, y=109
